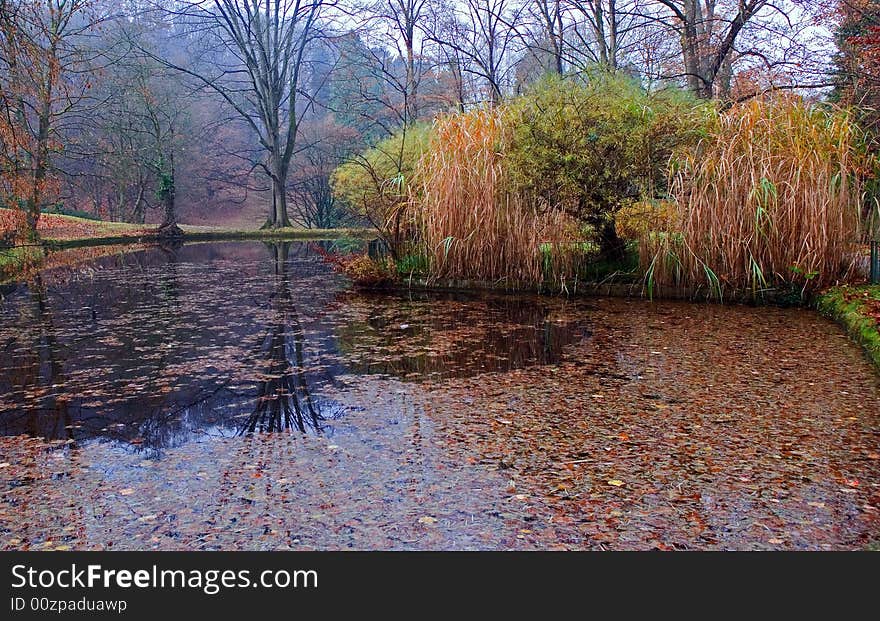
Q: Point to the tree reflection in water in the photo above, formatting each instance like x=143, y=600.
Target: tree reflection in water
x=284, y=400
x=153, y=349
x=149, y=353
x=454, y=335
x=50, y=416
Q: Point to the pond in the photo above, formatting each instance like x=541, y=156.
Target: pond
x=240, y=395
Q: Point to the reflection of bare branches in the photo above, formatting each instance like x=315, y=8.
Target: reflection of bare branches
x=455, y=335
x=60, y=425
x=284, y=400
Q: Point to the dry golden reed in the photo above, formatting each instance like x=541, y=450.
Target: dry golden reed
x=770, y=196
x=472, y=227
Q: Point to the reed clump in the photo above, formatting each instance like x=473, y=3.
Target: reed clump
x=472, y=227
x=769, y=198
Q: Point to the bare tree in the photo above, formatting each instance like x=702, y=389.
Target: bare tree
x=43, y=63
x=163, y=113
x=400, y=23
x=262, y=45
x=606, y=32
x=551, y=19
x=483, y=35
x=708, y=30
x=326, y=145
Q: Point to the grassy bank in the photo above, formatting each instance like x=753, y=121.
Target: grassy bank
x=857, y=309
x=61, y=232
x=15, y=261
x=201, y=233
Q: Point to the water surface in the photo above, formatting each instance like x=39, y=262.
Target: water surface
x=241, y=395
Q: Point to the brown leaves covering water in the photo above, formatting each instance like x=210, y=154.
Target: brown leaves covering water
x=487, y=422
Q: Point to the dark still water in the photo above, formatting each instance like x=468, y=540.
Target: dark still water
x=241, y=395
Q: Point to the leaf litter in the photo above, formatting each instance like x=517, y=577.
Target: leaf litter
x=209, y=398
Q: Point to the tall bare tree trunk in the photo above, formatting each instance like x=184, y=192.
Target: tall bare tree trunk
x=691, y=47
x=412, y=85
x=168, y=192
x=278, y=217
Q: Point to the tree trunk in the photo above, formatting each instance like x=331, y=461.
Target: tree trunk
x=611, y=247
x=724, y=81
x=412, y=104
x=169, y=227
x=40, y=165
x=691, y=48
x=278, y=217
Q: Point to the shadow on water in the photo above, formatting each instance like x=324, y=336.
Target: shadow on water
x=284, y=401
x=153, y=352
x=45, y=372
x=453, y=335
x=157, y=348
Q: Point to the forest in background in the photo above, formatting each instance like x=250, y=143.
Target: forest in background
x=215, y=109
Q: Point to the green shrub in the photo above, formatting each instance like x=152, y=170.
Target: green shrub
x=593, y=147
x=377, y=184
x=412, y=264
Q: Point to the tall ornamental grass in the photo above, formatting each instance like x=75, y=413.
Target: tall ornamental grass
x=472, y=227
x=770, y=197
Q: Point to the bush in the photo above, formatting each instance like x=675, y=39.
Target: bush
x=412, y=264
x=378, y=183
x=472, y=226
x=770, y=197
x=363, y=270
x=638, y=220
x=592, y=148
